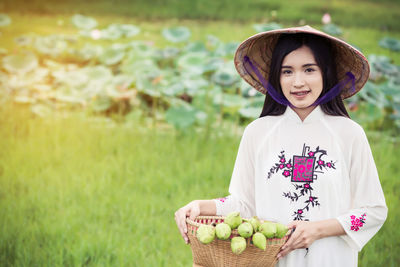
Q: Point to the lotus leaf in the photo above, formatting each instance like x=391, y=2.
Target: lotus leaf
x=227, y=49
x=195, y=47
x=176, y=34
x=4, y=20
x=267, y=27
x=98, y=73
x=213, y=64
x=83, y=22
x=26, y=80
x=20, y=63
x=111, y=34
x=192, y=62
x=230, y=101
x=75, y=78
x=50, y=45
x=194, y=84
x=170, y=52
x=181, y=117
x=89, y=51
x=112, y=56
x=3, y=51
x=101, y=103
x=41, y=110
x=225, y=77
x=332, y=29
x=372, y=94
x=174, y=89
x=145, y=67
x=390, y=43
x=250, y=112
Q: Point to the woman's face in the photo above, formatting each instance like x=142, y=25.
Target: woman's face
x=301, y=79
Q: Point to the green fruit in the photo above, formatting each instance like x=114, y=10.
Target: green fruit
x=260, y=241
x=255, y=222
x=268, y=229
x=245, y=229
x=205, y=233
x=233, y=220
x=281, y=230
x=223, y=231
x=238, y=244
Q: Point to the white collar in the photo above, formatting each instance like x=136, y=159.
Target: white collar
x=314, y=115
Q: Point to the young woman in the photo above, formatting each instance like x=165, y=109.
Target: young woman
x=304, y=162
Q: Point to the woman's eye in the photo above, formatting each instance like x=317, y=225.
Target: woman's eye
x=310, y=70
x=286, y=72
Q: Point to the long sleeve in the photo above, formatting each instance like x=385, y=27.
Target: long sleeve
x=241, y=187
x=368, y=208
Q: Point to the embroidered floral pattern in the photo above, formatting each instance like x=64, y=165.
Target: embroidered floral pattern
x=303, y=171
x=222, y=199
x=357, y=223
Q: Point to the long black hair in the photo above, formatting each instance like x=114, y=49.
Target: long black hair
x=324, y=56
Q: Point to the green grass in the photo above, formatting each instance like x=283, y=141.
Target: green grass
x=380, y=15
x=77, y=191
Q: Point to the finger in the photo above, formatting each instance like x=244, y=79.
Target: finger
x=181, y=221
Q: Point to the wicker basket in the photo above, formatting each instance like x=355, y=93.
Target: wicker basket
x=219, y=254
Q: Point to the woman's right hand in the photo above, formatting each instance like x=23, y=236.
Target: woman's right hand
x=191, y=210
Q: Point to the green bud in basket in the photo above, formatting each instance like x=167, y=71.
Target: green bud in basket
x=205, y=233
x=260, y=241
x=255, y=222
x=268, y=229
x=223, y=231
x=245, y=229
x=233, y=219
x=281, y=230
x=238, y=244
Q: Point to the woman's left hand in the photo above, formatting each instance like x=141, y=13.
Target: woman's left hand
x=305, y=233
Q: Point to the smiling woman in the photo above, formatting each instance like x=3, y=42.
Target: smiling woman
x=304, y=162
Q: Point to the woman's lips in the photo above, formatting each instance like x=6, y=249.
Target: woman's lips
x=300, y=94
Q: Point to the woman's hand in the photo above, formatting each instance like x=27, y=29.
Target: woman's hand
x=305, y=233
x=191, y=210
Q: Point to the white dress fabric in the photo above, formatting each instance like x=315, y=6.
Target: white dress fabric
x=317, y=169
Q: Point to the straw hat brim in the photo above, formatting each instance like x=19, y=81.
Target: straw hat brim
x=259, y=49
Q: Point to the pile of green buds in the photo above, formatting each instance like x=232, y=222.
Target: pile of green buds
x=252, y=228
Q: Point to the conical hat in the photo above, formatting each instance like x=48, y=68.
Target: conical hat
x=259, y=49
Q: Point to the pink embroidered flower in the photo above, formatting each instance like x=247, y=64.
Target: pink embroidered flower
x=306, y=186
x=281, y=166
x=320, y=162
x=289, y=165
x=286, y=173
x=329, y=165
x=311, y=154
x=357, y=223
x=311, y=199
x=299, y=211
x=283, y=160
x=222, y=199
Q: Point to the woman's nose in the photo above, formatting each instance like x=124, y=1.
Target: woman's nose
x=298, y=80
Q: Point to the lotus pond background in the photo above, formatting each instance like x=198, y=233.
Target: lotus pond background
x=116, y=113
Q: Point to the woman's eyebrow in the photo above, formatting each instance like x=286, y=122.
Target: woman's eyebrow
x=305, y=65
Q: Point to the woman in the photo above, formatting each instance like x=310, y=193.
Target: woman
x=304, y=162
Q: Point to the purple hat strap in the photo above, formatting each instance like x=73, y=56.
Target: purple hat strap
x=281, y=99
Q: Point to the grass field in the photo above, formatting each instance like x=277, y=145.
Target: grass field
x=378, y=14
x=77, y=191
